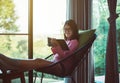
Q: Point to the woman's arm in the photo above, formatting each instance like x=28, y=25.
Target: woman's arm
x=73, y=45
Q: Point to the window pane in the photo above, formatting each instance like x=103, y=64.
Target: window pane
x=14, y=46
x=49, y=16
x=14, y=20
x=100, y=15
x=14, y=16
x=48, y=19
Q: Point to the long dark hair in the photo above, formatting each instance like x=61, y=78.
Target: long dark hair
x=74, y=29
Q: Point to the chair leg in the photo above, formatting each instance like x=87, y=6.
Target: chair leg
x=22, y=78
x=42, y=78
x=35, y=77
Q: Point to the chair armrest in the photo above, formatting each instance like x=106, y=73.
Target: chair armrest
x=48, y=56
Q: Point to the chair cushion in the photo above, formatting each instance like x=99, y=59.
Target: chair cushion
x=85, y=35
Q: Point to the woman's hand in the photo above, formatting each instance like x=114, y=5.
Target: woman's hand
x=54, y=42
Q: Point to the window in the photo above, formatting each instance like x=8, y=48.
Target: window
x=48, y=19
x=14, y=28
x=100, y=15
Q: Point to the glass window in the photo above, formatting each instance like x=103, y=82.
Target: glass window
x=22, y=13
x=15, y=46
x=14, y=16
x=14, y=28
x=48, y=19
x=99, y=21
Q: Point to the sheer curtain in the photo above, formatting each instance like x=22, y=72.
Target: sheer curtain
x=112, y=74
x=80, y=11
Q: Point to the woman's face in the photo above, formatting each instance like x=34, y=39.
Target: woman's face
x=67, y=31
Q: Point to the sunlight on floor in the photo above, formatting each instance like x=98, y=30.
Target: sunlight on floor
x=99, y=79
x=45, y=80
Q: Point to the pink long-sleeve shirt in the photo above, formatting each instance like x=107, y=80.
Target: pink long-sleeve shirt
x=59, y=53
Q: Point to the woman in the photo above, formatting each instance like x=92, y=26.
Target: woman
x=71, y=38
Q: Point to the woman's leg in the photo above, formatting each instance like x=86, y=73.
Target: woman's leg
x=25, y=65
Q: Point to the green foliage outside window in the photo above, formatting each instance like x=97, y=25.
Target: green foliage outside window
x=11, y=45
x=100, y=22
x=8, y=16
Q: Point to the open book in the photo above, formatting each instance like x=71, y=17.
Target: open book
x=61, y=42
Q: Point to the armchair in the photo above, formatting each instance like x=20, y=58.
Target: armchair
x=59, y=68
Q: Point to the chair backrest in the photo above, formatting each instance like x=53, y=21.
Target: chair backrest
x=65, y=67
x=78, y=56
